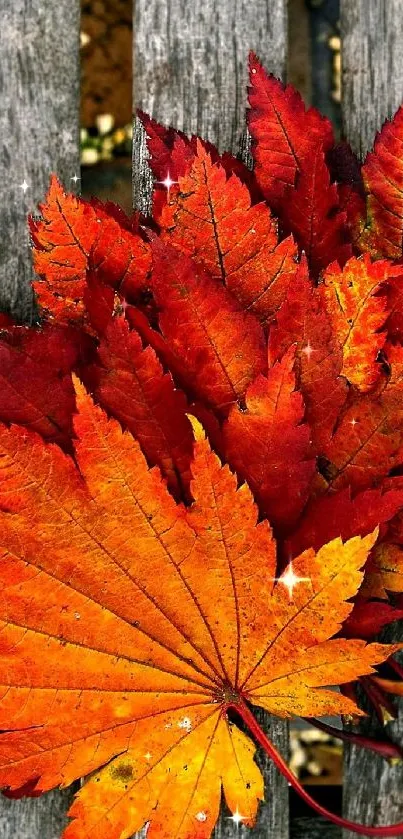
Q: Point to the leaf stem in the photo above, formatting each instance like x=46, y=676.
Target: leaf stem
x=388, y=830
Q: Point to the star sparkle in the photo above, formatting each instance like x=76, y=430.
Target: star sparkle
x=24, y=186
x=237, y=818
x=308, y=350
x=290, y=579
x=75, y=178
x=167, y=183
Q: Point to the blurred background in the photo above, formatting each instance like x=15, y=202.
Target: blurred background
x=106, y=84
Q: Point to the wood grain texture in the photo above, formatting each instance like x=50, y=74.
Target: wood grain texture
x=372, y=789
x=39, y=125
x=190, y=66
x=190, y=71
x=372, y=60
x=35, y=818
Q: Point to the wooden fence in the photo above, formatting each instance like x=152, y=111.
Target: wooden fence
x=190, y=71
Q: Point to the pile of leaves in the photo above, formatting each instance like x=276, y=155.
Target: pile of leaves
x=201, y=456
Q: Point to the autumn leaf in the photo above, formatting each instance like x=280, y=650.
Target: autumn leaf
x=384, y=571
x=171, y=154
x=221, y=348
x=132, y=386
x=284, y=134
x=368, y=618
x=393, y=290
x=269, y=445
x=74, y=235
x=35, y=376
x=382, y=174
x=345, y=173
x=302, y=320
x=211, y=219
x=358, y=314
x=312, y=213
x=339, y=514
x=367, y=441
x=102, y=667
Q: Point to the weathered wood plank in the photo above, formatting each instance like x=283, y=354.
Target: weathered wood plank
x=190, y=62
x=39, y=125
x=35, y=818
x=190, y=71
x=372, y=90
x=39, y=134
x=372, y=61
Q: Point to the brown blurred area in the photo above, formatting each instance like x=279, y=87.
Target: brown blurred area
x=106, y=61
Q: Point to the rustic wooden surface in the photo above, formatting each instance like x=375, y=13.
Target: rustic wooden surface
x=39, y=128
x=372, y=60
x=190, y=66
x=39, y=132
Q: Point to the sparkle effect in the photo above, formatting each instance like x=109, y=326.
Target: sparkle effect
x=167, y=183
x=24, y=186
x=308, y=350
x=75, y=178
x=353, y=422
x=148, y=756
x=237, y=818
x=290, y=579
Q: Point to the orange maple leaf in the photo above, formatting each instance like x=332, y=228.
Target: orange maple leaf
x=116, y=654
x=358, y=312
x=74, y=235
x=211, y=219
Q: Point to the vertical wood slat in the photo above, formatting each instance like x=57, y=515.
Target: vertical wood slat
x=39, y=125
x=189, y=67
x=372, y=62
x=190, y=71
x=39, y=134
x=372, y=90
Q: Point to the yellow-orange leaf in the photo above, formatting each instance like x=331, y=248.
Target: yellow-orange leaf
x=384, y=571
x=129, y=625
x=358, y=314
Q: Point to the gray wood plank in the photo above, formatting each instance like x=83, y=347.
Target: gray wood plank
x=39, y=134
x=372, y=60
x=35, y=818
x=39, y=125
x=190, y=71
x=190, y=66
